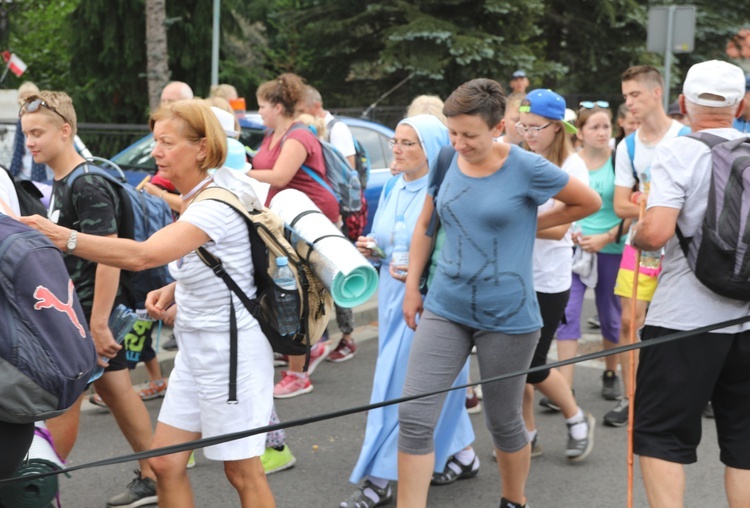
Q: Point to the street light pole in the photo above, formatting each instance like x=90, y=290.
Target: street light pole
x=215, y=45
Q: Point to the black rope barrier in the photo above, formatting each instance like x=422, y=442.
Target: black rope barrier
x=224, y=438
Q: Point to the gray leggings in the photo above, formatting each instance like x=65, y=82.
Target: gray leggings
x=437, y=355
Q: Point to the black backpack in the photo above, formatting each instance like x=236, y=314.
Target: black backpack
x=29, y=196
x=46, y=351
x=719, y=252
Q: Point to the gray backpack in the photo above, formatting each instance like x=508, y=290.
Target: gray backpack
x=718, y=253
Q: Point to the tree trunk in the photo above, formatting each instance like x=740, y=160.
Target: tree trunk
x=157, y=55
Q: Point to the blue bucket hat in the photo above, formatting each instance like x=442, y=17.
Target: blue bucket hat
x=548, y=104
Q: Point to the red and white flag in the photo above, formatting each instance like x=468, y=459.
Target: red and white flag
x=15, y=64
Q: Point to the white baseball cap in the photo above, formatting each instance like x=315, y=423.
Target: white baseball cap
x=714, y=84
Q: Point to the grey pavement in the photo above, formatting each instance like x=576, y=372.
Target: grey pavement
x=327, y=451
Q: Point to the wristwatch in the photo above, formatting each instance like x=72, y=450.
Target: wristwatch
x=72, y=241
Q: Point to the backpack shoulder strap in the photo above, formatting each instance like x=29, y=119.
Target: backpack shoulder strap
x=708, y=139
x=443, y=164
x=315, y=176
x=630, y=145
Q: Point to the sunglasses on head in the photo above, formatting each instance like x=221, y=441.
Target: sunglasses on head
x=34, y=103
x=594, y=104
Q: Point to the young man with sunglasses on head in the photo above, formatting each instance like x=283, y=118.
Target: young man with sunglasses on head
x=91, y=205
x=642, y=89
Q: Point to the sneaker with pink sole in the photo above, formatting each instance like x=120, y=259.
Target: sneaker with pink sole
x=318, y=353
x=291, y=386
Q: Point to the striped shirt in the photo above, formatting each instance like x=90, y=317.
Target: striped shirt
x=202, y=297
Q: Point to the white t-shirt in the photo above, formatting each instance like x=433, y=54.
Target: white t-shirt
x=644, y=154
x=202, y=297
x=341, y=136
x=8, y=193
x=681, y=173
x=552, y=258
x=642, y=161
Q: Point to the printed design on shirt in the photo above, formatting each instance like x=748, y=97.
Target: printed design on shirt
x=95, y=198
x=46, y=299
x=487, y=272
x=645, y=179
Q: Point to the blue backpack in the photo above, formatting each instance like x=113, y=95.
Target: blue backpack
x=46, y=351
x=143, y=215
x=630, y=145
x=344, y=180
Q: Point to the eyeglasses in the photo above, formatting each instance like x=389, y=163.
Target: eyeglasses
x=530, y=131
x=33, y=104
x=594, y=104
x=393, y=142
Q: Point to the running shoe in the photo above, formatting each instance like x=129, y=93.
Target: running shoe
x=473, y=406
x=611, y=389
x=292, y=386
x=141, y=491
x=343, y=352
x=619, y=415
x=277, y=460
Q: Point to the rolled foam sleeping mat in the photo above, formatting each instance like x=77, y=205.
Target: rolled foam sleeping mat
x=39, y=492
x=346, y=273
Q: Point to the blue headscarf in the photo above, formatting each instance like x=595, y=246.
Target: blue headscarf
x=433, y=135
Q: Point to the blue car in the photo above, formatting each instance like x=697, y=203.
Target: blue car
x=136, y=160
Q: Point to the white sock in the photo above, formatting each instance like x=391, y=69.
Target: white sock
x=531, y=434
x=380, y=483
x=578, y=425
x=465, y=457
x=301, y=375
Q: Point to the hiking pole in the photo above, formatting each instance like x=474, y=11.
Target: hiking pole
x=631, y=359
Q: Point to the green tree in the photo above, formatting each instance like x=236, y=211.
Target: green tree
x=40, y=35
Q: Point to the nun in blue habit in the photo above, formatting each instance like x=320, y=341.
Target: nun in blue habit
x=415, y=147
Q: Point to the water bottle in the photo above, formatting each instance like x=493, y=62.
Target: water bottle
x=287, y=304
x=121, y=321
x=400, y=254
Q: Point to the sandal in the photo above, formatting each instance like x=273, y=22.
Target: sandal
x=360, y=500
x=449, y=475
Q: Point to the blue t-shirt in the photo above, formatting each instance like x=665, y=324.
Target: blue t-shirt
x=484, y=275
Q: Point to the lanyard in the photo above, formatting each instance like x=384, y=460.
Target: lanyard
x=195, y=189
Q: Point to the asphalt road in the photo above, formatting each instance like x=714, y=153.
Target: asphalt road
x=327, y=451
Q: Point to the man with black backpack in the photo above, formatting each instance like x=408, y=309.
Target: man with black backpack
x=91, y=205
x=677, y=379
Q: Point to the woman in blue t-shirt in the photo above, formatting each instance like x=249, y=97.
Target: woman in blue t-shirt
x=483, y=291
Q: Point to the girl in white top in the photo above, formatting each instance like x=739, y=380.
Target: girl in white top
x=547, y=133
x=189, y=142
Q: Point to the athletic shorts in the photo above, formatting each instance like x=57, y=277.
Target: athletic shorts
x=675, y=382
x=647, y=277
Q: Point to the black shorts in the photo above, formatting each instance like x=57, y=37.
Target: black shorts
x=675, y=382
x=119, y=362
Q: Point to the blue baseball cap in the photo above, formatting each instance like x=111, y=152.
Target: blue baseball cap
x=518, y=74
x=548, y=104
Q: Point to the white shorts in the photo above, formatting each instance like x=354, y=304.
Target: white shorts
x=196, y=400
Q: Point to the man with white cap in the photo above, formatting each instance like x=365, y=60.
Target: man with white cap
x=677, y=379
